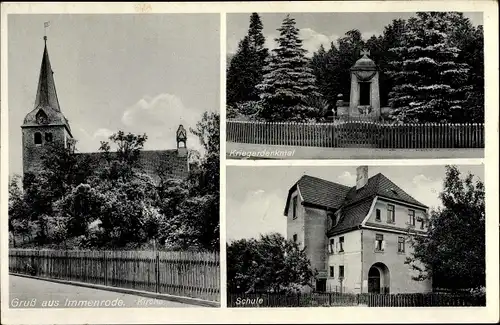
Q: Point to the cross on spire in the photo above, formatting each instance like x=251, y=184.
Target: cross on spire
x=365, y=52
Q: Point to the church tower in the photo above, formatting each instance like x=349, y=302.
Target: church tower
x=45, y=125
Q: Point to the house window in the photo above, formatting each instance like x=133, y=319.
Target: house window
x=48, y=137
x=379, y=242
x=295, y=238
x=294, y=204
x=401, y=244
x=390, y=213
x=332, y=271
x=411, y=217
x=341, y=271
x=331, y=245
x=377, y=215
x=38, y=138
x=422, y=223
x=341, y=244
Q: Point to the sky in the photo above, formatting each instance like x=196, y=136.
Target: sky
x=319, y=28
x=256, y=196
x=136, y=73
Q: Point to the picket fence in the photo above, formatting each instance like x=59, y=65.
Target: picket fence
x=330, y=299
x=189, y=274
x=358, y=134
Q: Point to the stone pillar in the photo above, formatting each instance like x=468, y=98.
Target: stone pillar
x=375, y=95
x=354, y=98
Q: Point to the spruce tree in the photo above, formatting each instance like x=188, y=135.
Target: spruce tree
x=240, y=75
x=429, y=80
x=289, y=80
x=246, y=66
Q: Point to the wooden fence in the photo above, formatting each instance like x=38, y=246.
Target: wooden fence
x=358, y=134
x=188, y=274
x=330, y=299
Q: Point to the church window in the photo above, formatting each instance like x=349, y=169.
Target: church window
x=48, y=137
x=295, y=238
x=364, y=93
x=38, y=138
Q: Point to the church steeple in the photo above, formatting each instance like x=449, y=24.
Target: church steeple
x=46, y=93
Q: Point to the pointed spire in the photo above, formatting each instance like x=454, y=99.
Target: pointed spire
x=46, y=93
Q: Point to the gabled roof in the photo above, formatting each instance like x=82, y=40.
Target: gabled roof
x=319, y=192
x=351, y=217
x=379, y=185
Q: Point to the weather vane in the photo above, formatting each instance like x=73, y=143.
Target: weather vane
x=45, y=25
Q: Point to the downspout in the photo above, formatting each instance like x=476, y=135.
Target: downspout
x=361, y=284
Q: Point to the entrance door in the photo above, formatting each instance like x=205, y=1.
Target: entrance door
x=321, y=285
x=374, y=280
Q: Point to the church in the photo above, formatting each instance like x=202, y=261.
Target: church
x=46, y=125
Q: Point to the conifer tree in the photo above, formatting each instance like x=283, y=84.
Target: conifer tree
x=289, y=80
x=429, y=80
x=246, y=66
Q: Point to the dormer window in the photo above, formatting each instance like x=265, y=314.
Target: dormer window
x=38, y=138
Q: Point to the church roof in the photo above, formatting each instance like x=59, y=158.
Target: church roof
x=46, y=102
x=153, y=161
x=46, y=93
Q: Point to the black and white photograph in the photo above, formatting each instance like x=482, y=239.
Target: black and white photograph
x=113, y=160
x=355, y=85
x=372, y=236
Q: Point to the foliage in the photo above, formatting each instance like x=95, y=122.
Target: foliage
x=268, y=264
x=289, y=80
x=245, y=69
x=453, y=263
x=107, y=200
x=429, y=77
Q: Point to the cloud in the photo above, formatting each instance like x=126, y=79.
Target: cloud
x=427, y=190
x=258, y=192
x=311, y=40
x=159, y=117
x=347, y=178
x=103, y=133
x=255, y=215
x=421, y=179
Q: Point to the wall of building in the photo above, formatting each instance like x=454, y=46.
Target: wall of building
x=296, y=226
x=315, y=237
x=401, y=215
x=32, y=153
x=400, y=274
x=350, y=259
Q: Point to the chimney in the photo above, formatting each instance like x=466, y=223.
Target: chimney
x=361, y=176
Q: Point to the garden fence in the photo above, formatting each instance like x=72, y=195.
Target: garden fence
x=328, y=299
x=358, y=134
x=190, y=274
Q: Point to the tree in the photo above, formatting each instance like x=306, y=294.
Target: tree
x=269, y=264
x=453, y=252
x=289, y=80
x=246, y=66
x=429, y=80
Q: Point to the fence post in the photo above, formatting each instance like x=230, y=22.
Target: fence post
x=105, y=268
x=157, y=271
